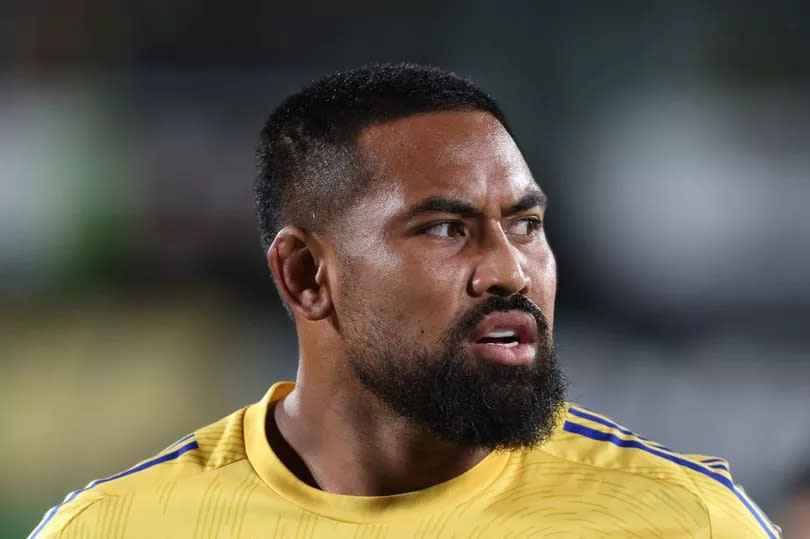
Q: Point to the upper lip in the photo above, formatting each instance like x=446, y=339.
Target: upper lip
x=520, y=321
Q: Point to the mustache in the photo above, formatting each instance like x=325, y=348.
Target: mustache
x=494, y=304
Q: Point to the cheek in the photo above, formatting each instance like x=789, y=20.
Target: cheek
x=414, y=294
x=425, y=296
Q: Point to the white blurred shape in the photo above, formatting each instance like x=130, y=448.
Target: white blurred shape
x=698, y=198
x=41, y=134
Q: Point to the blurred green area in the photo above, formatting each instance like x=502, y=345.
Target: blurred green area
x=16, y=519
x=73, y=195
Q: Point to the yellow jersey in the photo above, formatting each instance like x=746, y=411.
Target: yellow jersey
x=592, y=478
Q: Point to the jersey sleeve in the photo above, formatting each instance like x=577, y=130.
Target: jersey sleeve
x=732, y=513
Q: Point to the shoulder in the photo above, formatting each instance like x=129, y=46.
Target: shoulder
x=201, y=452
x=585, y=438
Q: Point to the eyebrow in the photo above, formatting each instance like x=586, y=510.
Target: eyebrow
x=529, y=200
x=443, y=204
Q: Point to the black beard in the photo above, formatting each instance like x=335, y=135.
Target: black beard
x=454, y=395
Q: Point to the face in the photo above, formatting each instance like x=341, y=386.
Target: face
x=445, y=291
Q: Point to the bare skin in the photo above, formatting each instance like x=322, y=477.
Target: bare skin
x=419, y=271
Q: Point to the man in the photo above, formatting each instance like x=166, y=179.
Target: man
x=404, y=232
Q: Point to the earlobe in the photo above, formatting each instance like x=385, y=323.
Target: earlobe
x=299, y=273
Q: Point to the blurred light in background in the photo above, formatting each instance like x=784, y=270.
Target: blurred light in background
x=695, y=197
x=673, y=140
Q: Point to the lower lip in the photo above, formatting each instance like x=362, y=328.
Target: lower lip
x=522, y=354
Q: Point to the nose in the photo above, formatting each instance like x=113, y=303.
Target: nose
x=499, y=270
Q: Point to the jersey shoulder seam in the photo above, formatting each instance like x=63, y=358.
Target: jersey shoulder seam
x=200, y=472
x=99, y=497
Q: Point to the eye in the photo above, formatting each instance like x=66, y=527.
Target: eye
x=526, y=227
x=446, y=229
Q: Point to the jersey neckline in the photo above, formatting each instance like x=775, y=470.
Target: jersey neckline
x=358, y=509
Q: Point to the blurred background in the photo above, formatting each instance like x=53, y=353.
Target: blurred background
x=673, y=139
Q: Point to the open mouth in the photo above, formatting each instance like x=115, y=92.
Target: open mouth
x=507, y=338
x=506, y=328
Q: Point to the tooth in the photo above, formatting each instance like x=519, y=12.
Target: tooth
x=502, y=333
x=510, y=344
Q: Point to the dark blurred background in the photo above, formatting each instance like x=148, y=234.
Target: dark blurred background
x=673, y=139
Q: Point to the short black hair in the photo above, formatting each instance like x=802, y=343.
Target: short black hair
x=309, y=169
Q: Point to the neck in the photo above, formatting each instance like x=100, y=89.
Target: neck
x=336, y=436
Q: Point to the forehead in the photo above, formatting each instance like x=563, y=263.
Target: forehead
x=466, y=154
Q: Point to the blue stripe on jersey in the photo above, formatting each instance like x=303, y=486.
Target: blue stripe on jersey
x=614, y=425
x=714, y=462
x=181, y=440
x=717, y=463
x=148, y=464
x=713, y=459
x=607, y=437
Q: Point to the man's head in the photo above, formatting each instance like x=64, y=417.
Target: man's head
x=309, y=166
x=407, y=235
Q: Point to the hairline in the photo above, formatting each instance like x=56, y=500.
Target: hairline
x=369, y=171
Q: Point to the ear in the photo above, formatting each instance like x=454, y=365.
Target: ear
x=300, y=273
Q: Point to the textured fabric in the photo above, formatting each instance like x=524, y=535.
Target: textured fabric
x=594, y=478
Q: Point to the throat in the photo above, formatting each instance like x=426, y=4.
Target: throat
x=401, y=463
x=285, y=452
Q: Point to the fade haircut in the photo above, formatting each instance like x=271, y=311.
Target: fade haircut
x=310, y=170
